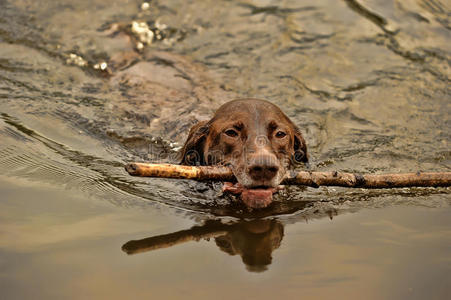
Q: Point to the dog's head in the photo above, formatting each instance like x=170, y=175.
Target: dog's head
x=255, y=139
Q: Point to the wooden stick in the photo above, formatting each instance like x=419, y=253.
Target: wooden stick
x=316, y=179
x=180, y=172
x=312, y=179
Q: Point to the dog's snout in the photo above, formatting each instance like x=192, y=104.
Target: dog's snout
x=263, y=168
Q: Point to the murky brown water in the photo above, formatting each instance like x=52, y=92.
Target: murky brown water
x=86, y=86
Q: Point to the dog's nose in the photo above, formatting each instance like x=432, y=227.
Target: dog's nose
x=263, y=168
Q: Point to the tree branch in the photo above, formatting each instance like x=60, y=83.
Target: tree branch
x=312, y=179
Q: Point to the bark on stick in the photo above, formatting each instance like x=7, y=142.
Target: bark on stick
x=312, y=179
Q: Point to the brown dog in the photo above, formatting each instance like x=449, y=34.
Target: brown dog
x=255, y=139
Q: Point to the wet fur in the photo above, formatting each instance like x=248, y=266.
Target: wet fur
x=257, y=156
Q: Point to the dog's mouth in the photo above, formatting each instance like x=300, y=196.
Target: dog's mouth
x=253, y=197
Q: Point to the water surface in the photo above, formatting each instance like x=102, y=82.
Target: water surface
x=87, y=86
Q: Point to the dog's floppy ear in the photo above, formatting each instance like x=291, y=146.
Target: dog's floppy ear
x=300, y=147
x=192, y=152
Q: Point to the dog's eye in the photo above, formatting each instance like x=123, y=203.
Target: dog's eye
x=231, y=133
x=280, y=134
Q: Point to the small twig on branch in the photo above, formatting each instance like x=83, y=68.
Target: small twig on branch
x=312, y=179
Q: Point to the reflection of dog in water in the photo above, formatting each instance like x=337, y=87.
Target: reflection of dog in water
x=253, y=240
